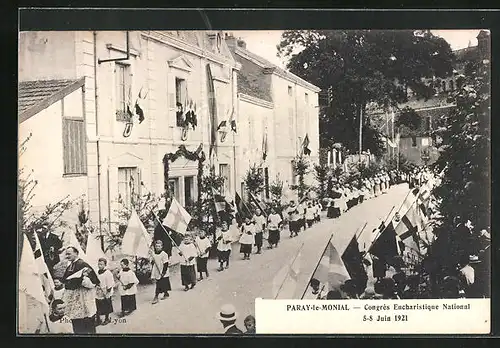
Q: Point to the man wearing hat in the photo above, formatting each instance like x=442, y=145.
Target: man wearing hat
x=227, y=317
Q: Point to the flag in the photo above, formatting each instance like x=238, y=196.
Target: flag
x=29, y=276
x=264, y=147
x=94, y=250
x=232, y=121
x=258, y=203
x=331, y=271
x=305, y=144
x=407, y=229
x=136, y=240
x=177, y=217
x=222, y=124
x=338, y=273
x=385, y=246
x=212, y=107
x=220, y=203
x=286, y=280
x=139, y=108
x=243, y=211
x=43, y=270
x=353, y=262
x=130, y=113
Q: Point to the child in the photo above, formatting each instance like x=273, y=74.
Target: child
x=188, y=252
x=247, y=238
x=128, y=288
x=275, y=222
x=250, y=325
x=260, y=226
x=58, y=289
x=310, y=211
x=160, y=273
x=203, y=245
x=104, y=291
x=317, y=214
x=223, y=246
x=294, y=219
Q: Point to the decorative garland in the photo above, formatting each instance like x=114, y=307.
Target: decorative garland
x=198, y=155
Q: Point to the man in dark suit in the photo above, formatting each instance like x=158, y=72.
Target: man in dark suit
x=227, y=317
x=51, y=244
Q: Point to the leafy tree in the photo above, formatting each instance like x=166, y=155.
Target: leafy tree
x=321, y=176
x=254, y=180
x=464, y=161
x=361, y=67
x=300, y=168
x=276, y=188
x=409, y=118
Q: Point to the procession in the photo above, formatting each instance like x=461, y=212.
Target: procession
x=177, y=214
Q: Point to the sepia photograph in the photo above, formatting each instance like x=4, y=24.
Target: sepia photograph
x=168, y=179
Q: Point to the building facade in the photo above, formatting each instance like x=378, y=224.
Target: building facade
x=279, y=110
x=162, y=70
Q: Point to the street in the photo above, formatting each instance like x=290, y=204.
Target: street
x=195, y=311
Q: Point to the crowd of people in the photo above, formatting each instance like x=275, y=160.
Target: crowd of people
x=82, y=297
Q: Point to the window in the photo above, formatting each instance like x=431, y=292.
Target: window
x=290, y=91
x=428, y=123
x=224, y=173
x=444, y=86
x=413, y=141
x=180, y=99
x=173, y=185
x=306, y=98
x=452, y=86
x=122, y=93
x=188, y=190
x=74, y=147
x=128, y=185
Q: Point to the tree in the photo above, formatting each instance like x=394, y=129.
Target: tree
x=464, y=161
x=300, y=168
x=321, y=176
x=254, y=180
x=276, y=188
x=361, y=67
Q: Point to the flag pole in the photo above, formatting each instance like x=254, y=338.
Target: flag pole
x=316, y=268
x=385, y=227
x=287, y=275
x=46, y=322
x=361, y=232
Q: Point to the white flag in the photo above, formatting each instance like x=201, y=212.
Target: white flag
x=94, y=251
x=29, y=279
x=286, y=280
x=177, y=218
x=43, y=270
x=136, y=241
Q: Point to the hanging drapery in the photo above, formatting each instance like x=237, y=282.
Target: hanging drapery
x=212, y=107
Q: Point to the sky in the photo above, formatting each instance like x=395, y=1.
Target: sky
x=263, y=43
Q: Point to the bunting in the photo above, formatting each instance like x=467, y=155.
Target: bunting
x=43, y=270
x=354, y=263
x=305, y=146
x=285, y=282
x=385, y=246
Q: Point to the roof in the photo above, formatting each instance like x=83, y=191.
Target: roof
x=467, y=53
x=264, y=63
x=252, y=80
x=35, y=96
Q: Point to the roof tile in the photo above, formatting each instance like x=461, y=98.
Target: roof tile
x=31, y=93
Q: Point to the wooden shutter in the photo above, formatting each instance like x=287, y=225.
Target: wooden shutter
x=74, y=147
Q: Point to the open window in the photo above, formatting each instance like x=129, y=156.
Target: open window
x=180, y=100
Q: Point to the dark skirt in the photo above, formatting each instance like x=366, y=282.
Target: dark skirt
x=246, y=248
x=188, y=275
x=224, y=255
x=201, y=264
x=258, y=239
x=129, y=303
x=274, y=237
x=163, y=285
x=317, y=218
x=333, y=212
x=104, y=306
x=310, y=223
x=84, y=325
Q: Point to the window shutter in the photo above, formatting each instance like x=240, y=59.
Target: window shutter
x=171, y=117
x=66, y=146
